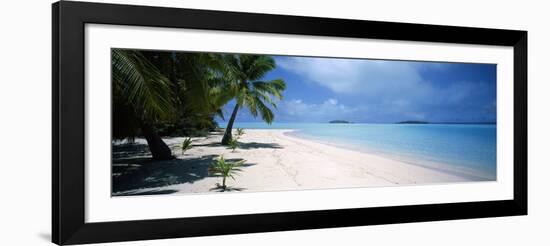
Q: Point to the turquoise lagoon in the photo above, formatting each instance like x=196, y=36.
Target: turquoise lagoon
x=464, y=149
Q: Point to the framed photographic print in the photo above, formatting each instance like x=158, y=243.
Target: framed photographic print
x=176, y=123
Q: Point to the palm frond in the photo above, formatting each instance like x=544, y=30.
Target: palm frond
x=222, y=168
x=221, y=95
x=233, y=68
x=265, y=112
x=195, y=75
x=245, y=71
x=250, y=103
x=141, y=85
x=186, y=145
x=273, y=87
x=258, y=66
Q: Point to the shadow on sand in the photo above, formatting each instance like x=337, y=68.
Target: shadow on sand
x=133, y=170
x=149, y=192
x=256, y=145
x=216, y=144
x=129, y=150
x=219, y=188
x=242, y=145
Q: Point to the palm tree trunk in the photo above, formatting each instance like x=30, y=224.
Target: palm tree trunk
x=158, y=148
x=227, y=135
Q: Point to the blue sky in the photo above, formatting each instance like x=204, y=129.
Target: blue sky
x=381, y=91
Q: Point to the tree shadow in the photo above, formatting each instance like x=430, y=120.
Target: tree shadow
x=256, y=145
x=140, y=175
x=219, y=188
x=129, y=150
x=134, y=172
x=150, y=192
x=208, y=145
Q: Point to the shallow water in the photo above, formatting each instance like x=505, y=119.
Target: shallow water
x=464, y=148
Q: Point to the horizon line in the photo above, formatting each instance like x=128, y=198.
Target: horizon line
x=397, y=122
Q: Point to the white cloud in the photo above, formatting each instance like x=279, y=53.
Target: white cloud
x=353, y=76
x=394, y=88
x=331, y=101
x=330, y=109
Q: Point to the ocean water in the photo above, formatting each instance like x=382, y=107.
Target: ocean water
x=464, y=149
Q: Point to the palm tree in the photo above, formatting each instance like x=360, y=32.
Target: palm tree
x=186, y=145
x=152, y=88
x=141, y=97
x=189, y=75
x=192, y=77
x=223, y=168
x=243, y=74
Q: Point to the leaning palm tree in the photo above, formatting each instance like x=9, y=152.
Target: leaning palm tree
x=243, y=74
x=155, y=88
x=141, y=97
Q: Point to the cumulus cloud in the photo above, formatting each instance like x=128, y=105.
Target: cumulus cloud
x=396, y=88
x=380, y=91
x=330, y=109
x=354, y=76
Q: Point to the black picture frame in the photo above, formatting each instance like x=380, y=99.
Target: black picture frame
x=68, y=118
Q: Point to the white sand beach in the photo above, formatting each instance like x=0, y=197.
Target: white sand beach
x=274, y=161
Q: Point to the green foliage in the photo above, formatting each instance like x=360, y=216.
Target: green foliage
x=249, y=91
x=191, y=125
x=186, y=145
x=222, y=168
x=141, y=96
x=169, y=90
x=233, y=144
x=240, y=132
x=179, y=93
x=139, y=85
x=244, y=84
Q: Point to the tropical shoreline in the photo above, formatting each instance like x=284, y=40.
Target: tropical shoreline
x=425, y=162
x=274, y=161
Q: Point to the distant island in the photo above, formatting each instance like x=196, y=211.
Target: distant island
x=450, y=122
x=339, y=122
x=413, y=122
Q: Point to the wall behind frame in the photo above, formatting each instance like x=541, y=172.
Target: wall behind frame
x=25, y=97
